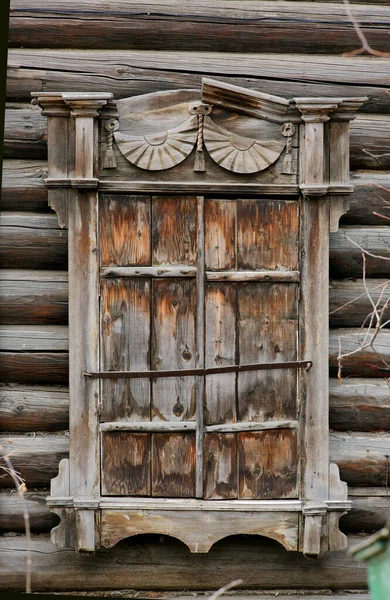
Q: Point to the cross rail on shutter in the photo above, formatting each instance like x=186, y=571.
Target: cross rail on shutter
x=295, y=364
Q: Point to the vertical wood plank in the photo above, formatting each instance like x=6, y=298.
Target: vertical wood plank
x=267, y=332
x=173, y=347
x=220, y=398
x=200, y=345
x=84, y=351
x=268, y=464
x=314, y=333
x=125, y=337
x=125, y=230
x=173, y=465
x=267, y=234
x=220, y=466
x=174, y=230
x=125, y=464
x=220, y=234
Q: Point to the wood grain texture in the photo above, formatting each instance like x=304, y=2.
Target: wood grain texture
x=33, y=297
x=367, y=362
x=173, y=230
x=50, y=368
x=236, y=26
x=173, y=465
x=220, y=234
x=346, y=254
x=125, y=230
x=142, y=564
x=268, y=464
x=22, y=185
x=261, y=226
x=220, y=466
x=355, y=404
x=349, y=303
x=27, y=338
x=23, y=189
x=11, y=512
x=267, y=332
x=125, y=464
x=173, y=347
x=30, y=240
x=35, y=457
x=125, y=342
x=220, y=389
x=127, y=73
x=36, y=408
x=359, y=404
x=25, y=133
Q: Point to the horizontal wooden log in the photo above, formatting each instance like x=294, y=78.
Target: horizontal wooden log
x=22, y=185
x=34, y=408
x=32, y=240
x=216, y=26
x=39, y=297
x=46, y=360
x=359, y=404
x=368, y=513
x=349, y=301
x=143, y=564
x=26, y=137
x=25, y=133
x=371, y=195
x=346, y=246
x=371, y=361
x=355, y=405
x=127, y=73
x=362, y=457
x=23, y=189
x=50, y=368
x=35, y=457
x=30, y=338
x=11, y=512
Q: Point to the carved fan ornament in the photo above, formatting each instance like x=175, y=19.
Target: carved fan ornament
x=146, y=141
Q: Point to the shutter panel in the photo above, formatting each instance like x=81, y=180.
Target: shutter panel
x=149, y=311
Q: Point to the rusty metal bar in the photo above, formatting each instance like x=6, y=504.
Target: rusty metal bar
x=296, y=364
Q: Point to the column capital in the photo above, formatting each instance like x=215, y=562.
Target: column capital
x=52, y=104
x=316, y=110
x=86, y=105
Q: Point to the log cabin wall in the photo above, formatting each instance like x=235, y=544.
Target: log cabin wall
x=285, y=48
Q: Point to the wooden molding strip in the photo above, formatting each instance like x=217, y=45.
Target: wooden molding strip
x=185, y=271
x=171, y=426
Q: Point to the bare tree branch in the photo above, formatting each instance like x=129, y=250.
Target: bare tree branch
x=365, y=46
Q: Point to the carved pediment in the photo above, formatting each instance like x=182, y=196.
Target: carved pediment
x=159, y=131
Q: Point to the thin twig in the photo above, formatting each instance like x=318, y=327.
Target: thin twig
x=21, y=489
x=363, y=40
x=226, y=588
x=366, y=251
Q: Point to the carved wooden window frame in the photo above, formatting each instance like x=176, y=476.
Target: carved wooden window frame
x=89, y=520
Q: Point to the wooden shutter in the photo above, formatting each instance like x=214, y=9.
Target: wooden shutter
x=155, y=312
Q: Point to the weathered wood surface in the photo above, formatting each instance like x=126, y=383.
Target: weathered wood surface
x=170, y=25
x=25, y=133
x=363, y=458
x=31, y=240
x=360, y=456
x=23, y=189
x=349, y=303
x=11, y=512
x=26, y=137
x=355, y=405
x=126, y=73
x=143, y=563
x=359, y=404
x=371, y=195
x=39, y=297
x=345, y=251
x=365, y=363
x=42, y=297
x=22, y=185
x=50, y=368
x=35, y=457
x=46, y=349
x=37, y=408
x=368, y=514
